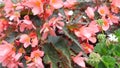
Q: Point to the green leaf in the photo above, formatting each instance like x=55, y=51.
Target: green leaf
x=108, y=61
x=36, y=20
x=117, y=33
x=61, y=10
x=2, y=4
x=118, y=65
x=64, y=52
x=101, y=48
x=53, y=39
x=117, y=50
x=51, y=56
x=75, y=48
x=100, y=22
x=62, y=46
x=100, y=65
x=11, y=37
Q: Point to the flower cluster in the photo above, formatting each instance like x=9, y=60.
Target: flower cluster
x=26, y=28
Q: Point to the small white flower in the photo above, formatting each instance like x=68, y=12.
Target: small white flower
x=84, y=17
x=112, y=37
x=67, y=22
x=70, y=12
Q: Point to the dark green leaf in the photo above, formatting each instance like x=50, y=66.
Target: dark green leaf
x=53, y=39
x=62, y=47
x=11, y=37
x=51, y=56
x=75, y=48
x=36, y=20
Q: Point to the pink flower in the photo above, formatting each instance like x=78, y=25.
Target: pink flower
x=79, y=60
x=90, y=12
x=37, y=53
x=103, y=10
x=46, y=29
x=116, y=3
x=56, y=22
x=8, y=6
x=88, y=48
x=106, y=24
x=56, y=3
x=37, y=61
x=5, y=50
x=8, y=57
x=14, y=16
x=113, y=18
x=34, y=42
x=87, y=33
x=3, y=25
x=69, y=3
x=17, y=56
x=34, y=39
x=36, y=64
x=36, y=5
x=25, y=39
x=26, y=23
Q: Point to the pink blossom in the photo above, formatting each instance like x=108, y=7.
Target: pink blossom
x=8, y=6
x=87, y=33
x=116, y=3
x=26, y=23
x=34, y=39
x=106, y=24
x=88, y=48
x=113, y=18
x=5, y=50
x=3, y=24
x=79, y=60
x=17, y=56
x=56, y=22
x=25, y=39
x=36, y=5
x=90, y=12
x=56, y=3
x=69, y=3
x=36, y=64
x=37, y=61
x=34, y=42
x=46, y=29
x=37, y=53
x=8, y=57
x=103, y=10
